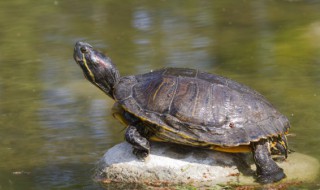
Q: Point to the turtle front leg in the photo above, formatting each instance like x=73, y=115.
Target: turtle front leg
x=141, y=146
x=267, y=170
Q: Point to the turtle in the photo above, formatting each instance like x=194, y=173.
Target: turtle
x=190, y=107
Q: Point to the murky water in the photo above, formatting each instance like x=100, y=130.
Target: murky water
x=54, y=125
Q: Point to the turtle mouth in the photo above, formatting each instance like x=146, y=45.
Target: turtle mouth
x=77, y=58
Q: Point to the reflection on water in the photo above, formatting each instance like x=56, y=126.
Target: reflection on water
x=176, y=43
x=54, y=125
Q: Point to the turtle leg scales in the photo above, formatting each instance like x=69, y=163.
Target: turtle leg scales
x=141, y=146
x=267, y=170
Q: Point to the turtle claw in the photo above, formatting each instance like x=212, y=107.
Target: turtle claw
x=271, y=178
x=140, y=154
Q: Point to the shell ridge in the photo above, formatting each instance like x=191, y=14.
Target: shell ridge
x=174, y=94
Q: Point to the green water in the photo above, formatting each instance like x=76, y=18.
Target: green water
x=54, y=125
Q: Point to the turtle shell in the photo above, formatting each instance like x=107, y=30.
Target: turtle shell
x=195, y=108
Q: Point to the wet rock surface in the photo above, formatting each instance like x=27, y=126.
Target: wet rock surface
x=173, y=164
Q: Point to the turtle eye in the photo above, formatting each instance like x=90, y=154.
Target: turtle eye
x=84, y=49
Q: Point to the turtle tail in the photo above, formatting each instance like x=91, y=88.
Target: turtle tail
x=279, y=145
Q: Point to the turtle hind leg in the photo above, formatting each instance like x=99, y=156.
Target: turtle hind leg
x=141, y=146
x=267, y=170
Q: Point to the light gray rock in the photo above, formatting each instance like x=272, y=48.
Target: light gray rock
x=173, y=164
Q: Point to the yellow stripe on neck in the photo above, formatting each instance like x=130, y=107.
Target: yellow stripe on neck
x=90, y=73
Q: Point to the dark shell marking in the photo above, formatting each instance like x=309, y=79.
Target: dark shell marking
x=195, y=108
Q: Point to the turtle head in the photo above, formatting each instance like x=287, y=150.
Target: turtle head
x=96, y=67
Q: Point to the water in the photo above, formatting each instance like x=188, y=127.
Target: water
x=54, y=125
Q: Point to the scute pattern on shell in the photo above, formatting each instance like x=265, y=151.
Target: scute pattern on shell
x=197, y=108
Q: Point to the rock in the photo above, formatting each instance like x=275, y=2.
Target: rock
x=174, y=164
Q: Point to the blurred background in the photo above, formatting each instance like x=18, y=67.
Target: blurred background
x=55, y=125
